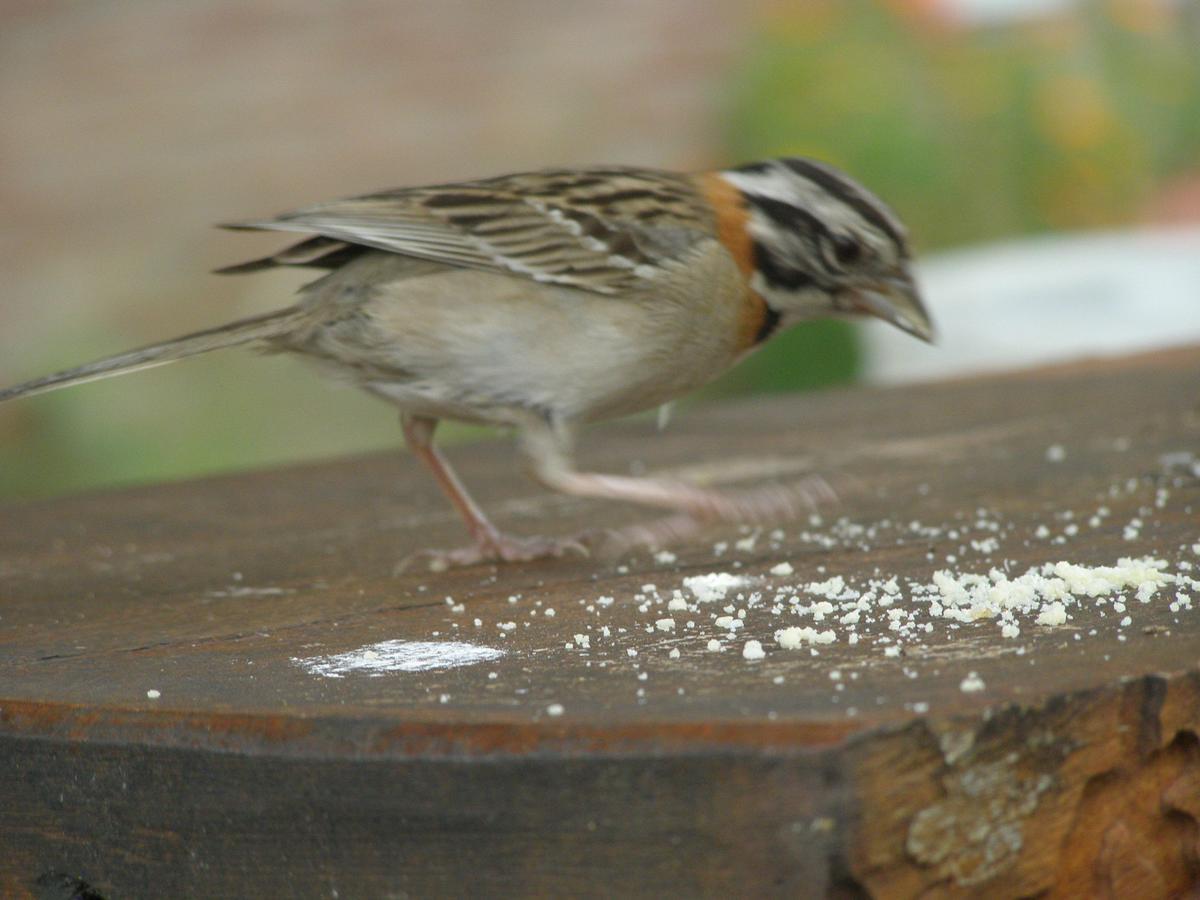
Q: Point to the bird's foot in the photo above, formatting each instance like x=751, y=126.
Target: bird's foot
x=494, y=546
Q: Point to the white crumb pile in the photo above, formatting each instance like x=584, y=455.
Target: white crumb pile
x=1042, y=594
x=889, y=614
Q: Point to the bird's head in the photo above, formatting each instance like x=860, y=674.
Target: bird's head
x=823, y=245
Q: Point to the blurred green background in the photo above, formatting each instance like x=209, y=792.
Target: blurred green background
x=146, y=121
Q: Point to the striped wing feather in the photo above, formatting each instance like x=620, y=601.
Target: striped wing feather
x=602, y=230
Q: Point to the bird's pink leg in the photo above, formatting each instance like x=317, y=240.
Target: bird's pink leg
x=490, y=542
x=694, y=506
x=761, y=505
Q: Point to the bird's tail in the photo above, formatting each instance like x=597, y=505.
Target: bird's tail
x=243, y=331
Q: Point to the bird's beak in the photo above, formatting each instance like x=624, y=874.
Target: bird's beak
x=896, y=300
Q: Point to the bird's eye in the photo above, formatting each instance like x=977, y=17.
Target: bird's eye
x=846, y=249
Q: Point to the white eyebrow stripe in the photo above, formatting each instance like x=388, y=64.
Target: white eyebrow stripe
x=774, y=184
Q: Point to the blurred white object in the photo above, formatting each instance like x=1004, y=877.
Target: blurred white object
x=1004, y=12
x=1012, y=305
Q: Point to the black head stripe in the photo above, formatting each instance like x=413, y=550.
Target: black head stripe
x=768, y=261
x=787, y=216
x=854, y=196
x=776, y=272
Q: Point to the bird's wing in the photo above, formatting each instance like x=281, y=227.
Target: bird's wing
x=602, y=230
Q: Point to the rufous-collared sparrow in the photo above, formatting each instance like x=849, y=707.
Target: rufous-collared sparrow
x=544, y=300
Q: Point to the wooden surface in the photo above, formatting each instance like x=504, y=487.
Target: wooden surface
x=1076, y=770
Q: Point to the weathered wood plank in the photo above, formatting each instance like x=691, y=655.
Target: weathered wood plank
x=703, y=773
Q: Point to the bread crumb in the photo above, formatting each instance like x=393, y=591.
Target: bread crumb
x=714, y=586
x=1056, y=453
x=714, y=645
x=674, y=654
x=783, y=568
x=971, y=684
x=1052, y=614
x=795, y=637
x=555, y=709
x=665, y=557
x=665, y=624
x=153, y=694
x=753, y=650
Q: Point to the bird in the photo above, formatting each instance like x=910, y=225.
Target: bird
x=545, y=300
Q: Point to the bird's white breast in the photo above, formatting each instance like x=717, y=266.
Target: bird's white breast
x=473, y=345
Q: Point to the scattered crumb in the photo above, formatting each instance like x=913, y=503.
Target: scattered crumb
x=153, y=694
x=714, y=586
x=753, y=650
x=555, y=709
x=1052, y=614
x=972, y=683
x=665, y=557
x=783, y=568
x=1056, y=453
x=795, y=637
